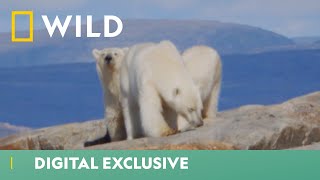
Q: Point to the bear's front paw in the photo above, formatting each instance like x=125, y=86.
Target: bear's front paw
x=170, y=132
x=187, y=128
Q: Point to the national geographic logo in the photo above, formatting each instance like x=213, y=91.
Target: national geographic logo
x=13, y=26
x=63, y=27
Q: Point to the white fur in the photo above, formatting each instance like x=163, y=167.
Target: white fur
x=109, y=74
x=153, y=77
x=204, y=65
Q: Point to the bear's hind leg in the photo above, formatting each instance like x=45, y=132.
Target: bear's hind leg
x=128, y=120
x=211, y=105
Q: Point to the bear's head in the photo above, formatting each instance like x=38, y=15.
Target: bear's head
x=188, y=104
x=109, y=59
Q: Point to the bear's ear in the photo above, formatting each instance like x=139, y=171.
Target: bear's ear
x=176, y=92
x=96, y=54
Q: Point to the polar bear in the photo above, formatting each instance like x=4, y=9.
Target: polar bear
x=108, y=63
x=152, y=77
x=205, y=67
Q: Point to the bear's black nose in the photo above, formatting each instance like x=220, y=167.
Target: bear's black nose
x=108, y=58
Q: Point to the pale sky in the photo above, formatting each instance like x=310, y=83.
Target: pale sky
x=287, y=17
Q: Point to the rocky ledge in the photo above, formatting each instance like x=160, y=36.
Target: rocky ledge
x=294, y=124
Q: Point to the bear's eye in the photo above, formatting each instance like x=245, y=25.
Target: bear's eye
x=116, y=54
x=176, y=91
x=191, y=109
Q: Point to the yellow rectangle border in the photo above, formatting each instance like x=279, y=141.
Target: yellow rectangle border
x=13, y=26
x=11, y=162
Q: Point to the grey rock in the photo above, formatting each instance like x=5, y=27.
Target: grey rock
x=295, y=123
x=315, y=146
x=291, y=124
x=70, y=136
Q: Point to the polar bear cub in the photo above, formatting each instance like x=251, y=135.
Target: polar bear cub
x=154, y=76
x=108, y=63
x=205, y=67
